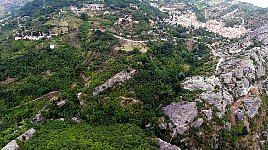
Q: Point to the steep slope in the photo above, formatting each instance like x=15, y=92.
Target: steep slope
x=7, y=6
x=130, y=74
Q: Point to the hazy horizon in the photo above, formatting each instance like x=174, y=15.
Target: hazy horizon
x=260, y=3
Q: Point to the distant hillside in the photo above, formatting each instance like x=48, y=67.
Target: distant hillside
x=7, y=6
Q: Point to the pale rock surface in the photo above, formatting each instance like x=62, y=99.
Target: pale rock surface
x=201, y=83
x=252, y=106
x=197, y=123
x=208, y=113
x=27, y=135
x=166, y=146
x=11, y=146
x=181, y=114
x=121, y=77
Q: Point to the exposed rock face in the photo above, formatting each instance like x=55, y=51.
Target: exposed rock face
x=228, y=126
x=252, y=106
x=181, y=114
x=261, y=34
x=227, y=77
x=11, y=146
x=167, y=146
x=121, y=77
x=61, y=103
x=38, y=118
x=197, y=123
x=208, y=113
x=239, y=115
x=27, y=135
x=218, y=99
x=201, y=83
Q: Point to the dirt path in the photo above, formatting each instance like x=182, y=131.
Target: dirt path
x=216, y=55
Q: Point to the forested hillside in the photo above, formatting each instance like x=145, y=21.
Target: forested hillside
x=112, y=74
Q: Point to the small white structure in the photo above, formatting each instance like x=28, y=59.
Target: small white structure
x=52, y=46
x=18, y=38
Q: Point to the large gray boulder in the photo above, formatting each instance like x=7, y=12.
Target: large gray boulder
x=166, y=146
x=218, y=99
x=61, y=103
x=11, y=146
x=121, y=77
x=27, y=135
x=227, y=77
x=197, y=123
x=252, y=106
x=201, y=83
x=181, y=113
x=239, y=115
x=37, y=118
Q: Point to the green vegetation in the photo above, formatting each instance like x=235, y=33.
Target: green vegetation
x=65, y=135
x=36, y=70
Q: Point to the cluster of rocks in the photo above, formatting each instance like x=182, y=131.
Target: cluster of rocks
x=218, y=99
x=239, y=74
x=121, y=77
x=237, y=77
x=201, y=83
x=261, y=34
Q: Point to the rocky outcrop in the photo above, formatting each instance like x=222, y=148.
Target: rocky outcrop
x=239, y=115
x=23, y=138
x=167, y=146
x=252, y=106
x=218, y=99
x=27, y=135
x=197, y=123
x=61, y=103
x=121, y=77
x=11, y=146
x=37, y=118
x=201, y=83
x=261, y=34
x=181, y=114
x=208, y=114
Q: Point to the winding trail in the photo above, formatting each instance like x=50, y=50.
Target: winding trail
x=216, y=55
